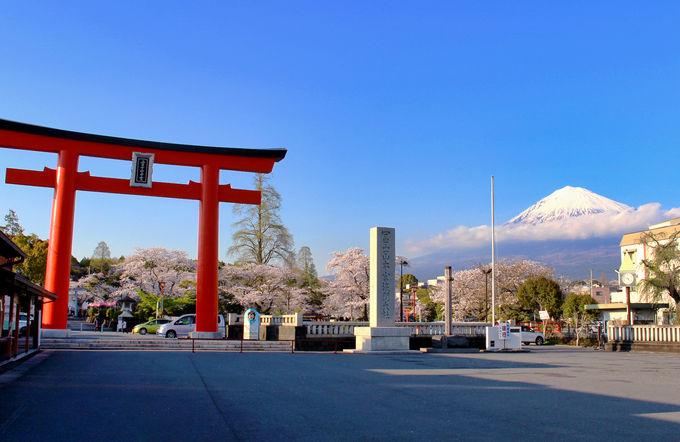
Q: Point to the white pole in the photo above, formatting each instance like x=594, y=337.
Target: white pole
x=447, y=301
x=493, y=255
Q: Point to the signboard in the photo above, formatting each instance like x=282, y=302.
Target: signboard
x=251, y=324
x=543, y=315
x=503, y=331
x=142, y=169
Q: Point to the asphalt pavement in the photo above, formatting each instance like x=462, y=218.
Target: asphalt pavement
x=550, y=393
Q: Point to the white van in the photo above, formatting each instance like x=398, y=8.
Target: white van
x=185, y=324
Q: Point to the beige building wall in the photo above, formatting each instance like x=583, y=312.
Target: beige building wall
x=633, y=252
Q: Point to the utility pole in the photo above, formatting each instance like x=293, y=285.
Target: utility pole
x=402, y=263
x=448, y=279
x=493, y=255
x=591, y=283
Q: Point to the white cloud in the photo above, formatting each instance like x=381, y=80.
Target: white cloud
x=582, y=227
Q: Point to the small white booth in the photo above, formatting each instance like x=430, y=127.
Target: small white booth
x=503, y=337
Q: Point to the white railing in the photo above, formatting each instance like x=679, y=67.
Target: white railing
x=342, y=328
x=327, y=328
x=293, y=320
x=644, y=333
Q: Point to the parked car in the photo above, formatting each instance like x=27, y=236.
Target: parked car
x=185, y=324
x=150, y=326
x=529, y=335
x=23, y=322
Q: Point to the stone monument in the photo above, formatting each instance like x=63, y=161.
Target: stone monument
x=382, y=335
x=251, y=325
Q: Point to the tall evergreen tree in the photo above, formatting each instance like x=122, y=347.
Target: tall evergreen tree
x=12, y=226
x=305, y=263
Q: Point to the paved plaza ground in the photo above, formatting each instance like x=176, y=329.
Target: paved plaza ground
x=552, y=393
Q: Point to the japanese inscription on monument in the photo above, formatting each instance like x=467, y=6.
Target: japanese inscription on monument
x=382, y=277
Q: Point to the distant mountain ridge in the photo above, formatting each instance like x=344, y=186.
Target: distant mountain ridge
x=569, y=202
x=573, y=259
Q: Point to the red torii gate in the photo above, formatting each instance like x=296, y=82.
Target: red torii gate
x=66, y=180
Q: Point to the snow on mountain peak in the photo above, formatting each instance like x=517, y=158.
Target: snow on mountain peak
x=568, y=202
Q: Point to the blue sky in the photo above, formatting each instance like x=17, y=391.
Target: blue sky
x=394, y=113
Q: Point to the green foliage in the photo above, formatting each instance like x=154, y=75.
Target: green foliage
x=574, y=310
x=305, y=264
x=12, y=226
x=515, y=311
x=77, y=270
x=408, y=279
x=540, y=293
x=101, y=258
x=35, y=249
x=428, y=306
x=663, y=267
x=228, y=303
x=106, y=315
x=316, y=298
x=146, y=308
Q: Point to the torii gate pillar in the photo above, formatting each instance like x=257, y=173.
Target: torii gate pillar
x=55, y=314
x=206, y=275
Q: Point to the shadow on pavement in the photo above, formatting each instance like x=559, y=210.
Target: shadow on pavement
x=227, y=396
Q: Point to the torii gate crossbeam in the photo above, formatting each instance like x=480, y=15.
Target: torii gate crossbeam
x=66, y=180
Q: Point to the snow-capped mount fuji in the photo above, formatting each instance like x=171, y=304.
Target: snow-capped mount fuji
x=568, y=203
x=572, y=230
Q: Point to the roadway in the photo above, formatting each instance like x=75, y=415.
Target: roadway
x=554, y=393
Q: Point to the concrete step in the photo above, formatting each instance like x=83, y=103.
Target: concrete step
x=77, y=325
x=163, y=344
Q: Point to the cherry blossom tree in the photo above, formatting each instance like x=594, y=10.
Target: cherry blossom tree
x=262, y=286
x=101, y=287
x=472, y=299
x=348, y=292
x=157, y=271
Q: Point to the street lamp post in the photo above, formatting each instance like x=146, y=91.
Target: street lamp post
x=402, y=263
x=414, y=302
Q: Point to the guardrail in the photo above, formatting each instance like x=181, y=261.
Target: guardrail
x=341, y=328
x=644, y=333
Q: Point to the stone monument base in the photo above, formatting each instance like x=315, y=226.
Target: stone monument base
x=206, y=335
x=382, y=339
x=55, y=332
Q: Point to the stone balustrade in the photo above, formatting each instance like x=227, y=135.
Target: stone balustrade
x=346, y=328
x=292, y=320
x=644, y=333
x=343, y=328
